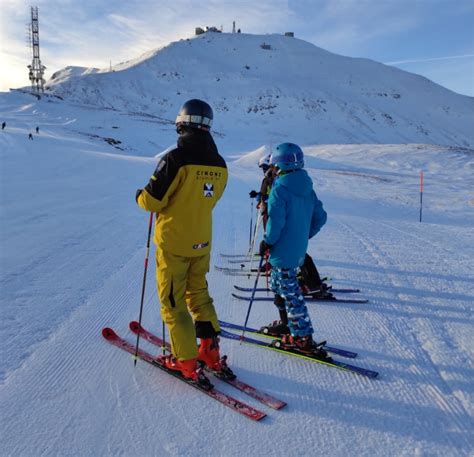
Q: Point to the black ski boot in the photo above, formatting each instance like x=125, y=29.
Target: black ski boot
x=321, y=295
x=323, y=292
x=276, y=328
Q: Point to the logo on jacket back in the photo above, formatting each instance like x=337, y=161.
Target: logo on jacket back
x=208, y=190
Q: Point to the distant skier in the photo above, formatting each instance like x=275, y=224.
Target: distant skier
x=4, y=124
x=183, y=190
x=30, y=136
x=37, y=129
x=294, y=215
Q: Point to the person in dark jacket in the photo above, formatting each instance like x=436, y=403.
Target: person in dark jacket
x=295, y=214
x=183, y=191
x=265, y=187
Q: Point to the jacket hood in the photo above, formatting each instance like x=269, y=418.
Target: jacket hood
x=296, y=182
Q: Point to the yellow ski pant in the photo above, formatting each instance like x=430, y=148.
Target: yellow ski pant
x=184, y=298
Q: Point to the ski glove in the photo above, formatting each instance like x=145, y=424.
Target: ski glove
x=253, y=194
x=264, y=247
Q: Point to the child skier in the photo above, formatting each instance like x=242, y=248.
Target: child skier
x=294, y=215
x=183, y=190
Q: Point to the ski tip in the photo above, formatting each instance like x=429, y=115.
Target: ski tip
x=134, y=326
x=108, y=333
x=279, y=405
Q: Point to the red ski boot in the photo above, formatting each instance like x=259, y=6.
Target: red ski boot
x=210, y=356
x=189, y=369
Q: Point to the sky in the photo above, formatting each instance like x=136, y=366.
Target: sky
x=433, y=38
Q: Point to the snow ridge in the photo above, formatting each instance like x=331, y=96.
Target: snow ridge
x=273, y=87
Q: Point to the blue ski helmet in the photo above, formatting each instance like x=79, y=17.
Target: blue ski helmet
x=287, y=157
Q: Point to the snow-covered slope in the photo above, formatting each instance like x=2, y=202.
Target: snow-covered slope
x=291, y=90
x=72, y=72
x=72, y=250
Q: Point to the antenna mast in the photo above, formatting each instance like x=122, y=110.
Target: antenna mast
x=36, y=69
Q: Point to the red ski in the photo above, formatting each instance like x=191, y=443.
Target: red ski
x=257, y=394
x=227, y=400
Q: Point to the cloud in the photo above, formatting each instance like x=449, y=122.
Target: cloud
x=432, y=59
x=346, y=26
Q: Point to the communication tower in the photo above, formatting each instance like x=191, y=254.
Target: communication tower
x=36, y=69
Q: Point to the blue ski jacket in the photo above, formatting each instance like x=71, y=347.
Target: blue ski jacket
x=295, y=214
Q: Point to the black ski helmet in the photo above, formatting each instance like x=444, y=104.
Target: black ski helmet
x=196, y=114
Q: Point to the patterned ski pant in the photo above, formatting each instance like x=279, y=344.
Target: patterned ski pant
x=285, y=284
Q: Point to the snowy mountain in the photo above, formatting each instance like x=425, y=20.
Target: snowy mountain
x=271, y=88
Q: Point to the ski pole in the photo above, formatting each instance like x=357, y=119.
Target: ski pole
x=252, y=244
x=257, y=226
x=143, y=286
x=252, y=297
x=163, y=347
x=251, y=223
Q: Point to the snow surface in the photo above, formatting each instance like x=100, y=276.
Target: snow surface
x=72, y=249
x=73, y=242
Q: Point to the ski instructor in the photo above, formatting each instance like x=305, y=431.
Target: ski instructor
x=183, y=190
